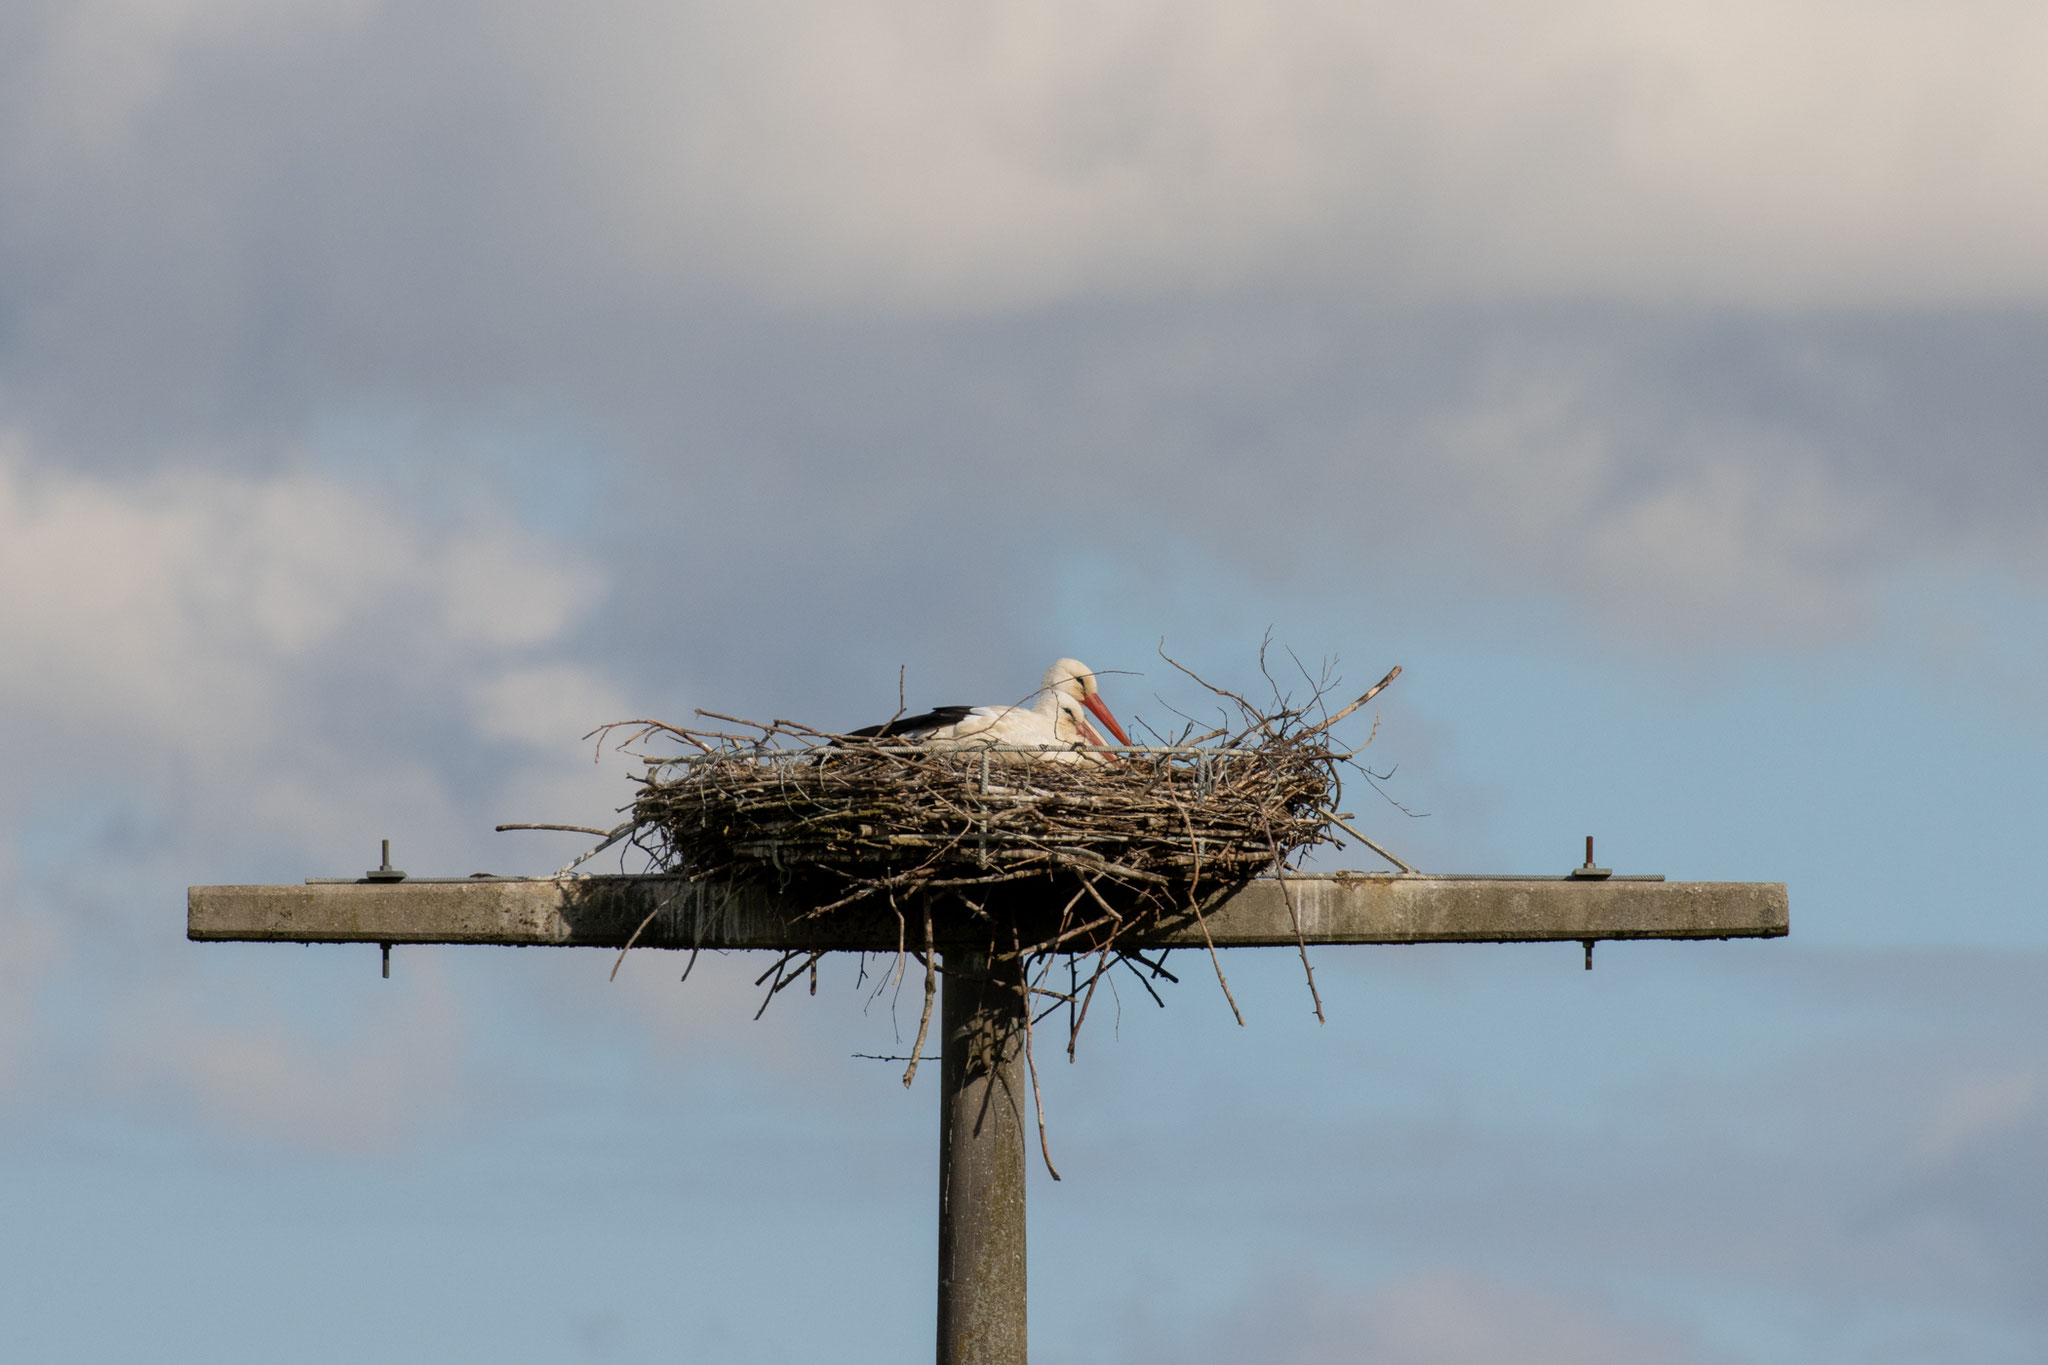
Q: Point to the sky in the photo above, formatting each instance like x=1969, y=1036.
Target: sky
x=390, y=394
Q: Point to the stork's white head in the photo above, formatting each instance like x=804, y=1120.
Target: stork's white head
x=1069, y=685
x=1070, y=678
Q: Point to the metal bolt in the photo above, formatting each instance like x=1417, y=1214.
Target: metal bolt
x=387, y=960
x=385, y=872
x=1589, y=954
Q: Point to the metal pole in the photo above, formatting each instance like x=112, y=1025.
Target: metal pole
x=981, y=1167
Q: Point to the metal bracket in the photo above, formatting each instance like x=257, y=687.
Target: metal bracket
x=1590, y=872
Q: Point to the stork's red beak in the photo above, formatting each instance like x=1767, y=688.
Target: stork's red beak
x=1102, y=714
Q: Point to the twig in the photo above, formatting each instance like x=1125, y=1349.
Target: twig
x=660, y=906
x=1217, y=963
x=566, y=829
x=1125, y=958
x=1334, y=819
x=1195, y=904
x=621, y=832
x=1031, y=1059
x=1300, y=941
x=1156, y=968
x=1074, y=1034
x=931, y=987
x=783, y=982
x=1370, y=693
x=736, y=720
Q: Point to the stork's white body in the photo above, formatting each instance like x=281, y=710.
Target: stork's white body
x=1049, y=726
x=1052, y=720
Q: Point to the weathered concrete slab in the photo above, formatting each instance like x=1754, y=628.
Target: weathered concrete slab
x=603, y=912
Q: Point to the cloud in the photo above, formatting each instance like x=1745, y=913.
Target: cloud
x=92, y=73
x=1980, y=1107
x=1687, y=526
x=1825, y=152
x=890, y=155
x=1690, y=323
x=1441, y=1318
x=29, y=948
x=180, y=605
x=543, y=706
x=211, y=674
x=198, y=614
x=1681, y=484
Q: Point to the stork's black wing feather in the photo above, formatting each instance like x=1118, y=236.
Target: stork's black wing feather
x=910, y=725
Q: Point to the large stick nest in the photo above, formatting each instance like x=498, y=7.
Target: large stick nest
x=838, y=820
x=860, y=818
x=1025, y=854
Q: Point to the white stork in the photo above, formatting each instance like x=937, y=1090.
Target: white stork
x=1053, y=719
